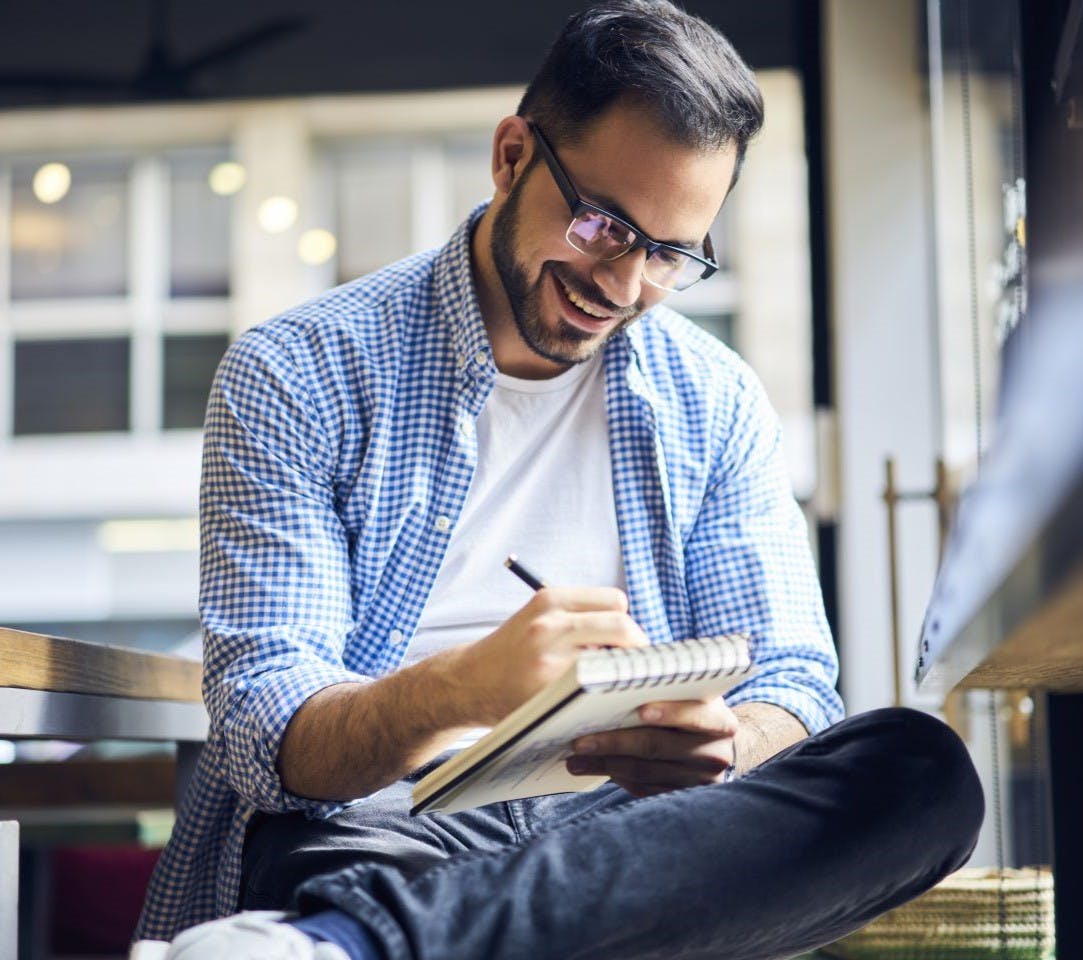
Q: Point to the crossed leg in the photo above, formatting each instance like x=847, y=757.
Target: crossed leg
x=804, y=849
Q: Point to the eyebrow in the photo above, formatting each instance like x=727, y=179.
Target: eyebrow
x=612, y=206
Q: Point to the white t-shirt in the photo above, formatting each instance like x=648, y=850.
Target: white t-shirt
x=543, y=489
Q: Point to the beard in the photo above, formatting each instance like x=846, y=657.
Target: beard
x=560, y=341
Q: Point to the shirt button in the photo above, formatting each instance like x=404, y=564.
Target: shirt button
x=467, y=427
x=443, y=524
x=397, y=637
x=481, y=358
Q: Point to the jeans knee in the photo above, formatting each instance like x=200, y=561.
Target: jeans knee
x=933, y=776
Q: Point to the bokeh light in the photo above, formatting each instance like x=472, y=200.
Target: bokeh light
x=227, y=178
x=52, y=182
x=316, y=246
x=277, y=214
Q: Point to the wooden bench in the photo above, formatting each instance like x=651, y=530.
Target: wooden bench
x=59, y=689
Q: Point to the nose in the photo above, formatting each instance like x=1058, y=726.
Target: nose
x=622, y=279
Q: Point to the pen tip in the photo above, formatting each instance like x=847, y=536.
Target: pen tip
x=510, y=559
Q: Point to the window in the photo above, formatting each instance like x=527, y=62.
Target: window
x=469, y=173
x=117, y=309
x=198, y=226
x=373, y=187
x=720, y=325
x=69, y=229
x=72, y=386
x=188, y=365
x=395, y=196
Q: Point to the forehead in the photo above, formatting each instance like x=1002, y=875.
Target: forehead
x=627, y=160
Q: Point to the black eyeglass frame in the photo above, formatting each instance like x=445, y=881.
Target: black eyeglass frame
x=577, y=205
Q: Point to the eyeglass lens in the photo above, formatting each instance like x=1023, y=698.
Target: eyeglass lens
x=605, y=239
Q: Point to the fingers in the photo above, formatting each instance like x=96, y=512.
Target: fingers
x=561, y=629
x=695, y=716
x=649, y=759
x=536, y=645
x=697, y=750
x=580, y=598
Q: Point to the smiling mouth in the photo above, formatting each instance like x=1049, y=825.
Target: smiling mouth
x=585, y=307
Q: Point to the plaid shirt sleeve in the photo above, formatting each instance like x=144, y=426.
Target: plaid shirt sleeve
x=749, y=567
x=275, y=579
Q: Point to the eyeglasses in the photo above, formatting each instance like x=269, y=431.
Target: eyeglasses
x=605, y=236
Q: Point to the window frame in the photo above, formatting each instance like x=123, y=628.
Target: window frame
x=146, y=315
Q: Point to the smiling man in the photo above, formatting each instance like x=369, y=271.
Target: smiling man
x=370, y=459
x=553, y=290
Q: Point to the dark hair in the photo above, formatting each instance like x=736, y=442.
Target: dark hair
x=649, y=51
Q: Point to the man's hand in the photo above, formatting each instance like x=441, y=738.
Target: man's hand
x=684, y=743
x=534, y=647
x=352, y=739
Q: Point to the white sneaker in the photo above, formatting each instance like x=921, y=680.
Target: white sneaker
x=253, y=935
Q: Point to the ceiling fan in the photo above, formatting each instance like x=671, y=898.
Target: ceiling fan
x=161, y=75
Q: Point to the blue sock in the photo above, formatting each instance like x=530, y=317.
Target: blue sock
x=334, y=926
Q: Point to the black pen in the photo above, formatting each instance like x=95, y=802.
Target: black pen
x=513, y=564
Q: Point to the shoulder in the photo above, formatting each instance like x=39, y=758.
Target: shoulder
x=368, y=315
x=709, y=405
x=685, y=364
x=328, y=361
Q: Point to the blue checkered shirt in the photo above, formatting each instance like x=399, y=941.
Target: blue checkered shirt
x=333, y=472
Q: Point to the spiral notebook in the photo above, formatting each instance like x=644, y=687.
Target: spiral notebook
x=523, y=756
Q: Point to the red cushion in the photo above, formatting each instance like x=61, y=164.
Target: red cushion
x=97, y=893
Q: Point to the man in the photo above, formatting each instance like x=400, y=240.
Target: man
x=373, y=455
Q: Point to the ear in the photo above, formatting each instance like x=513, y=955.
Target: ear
x=512, y=146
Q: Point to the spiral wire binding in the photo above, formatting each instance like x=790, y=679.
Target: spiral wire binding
x=666, y=663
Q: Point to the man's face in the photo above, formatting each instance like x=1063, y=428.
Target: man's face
x=565, y=303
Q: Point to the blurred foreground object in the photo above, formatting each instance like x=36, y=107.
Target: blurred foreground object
x=975, y=914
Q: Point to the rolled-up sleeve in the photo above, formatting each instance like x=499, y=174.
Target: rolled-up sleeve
x=749, y=568
x=274, y=565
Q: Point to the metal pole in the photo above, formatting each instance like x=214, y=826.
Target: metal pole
x=9, y=889
x=891, y=498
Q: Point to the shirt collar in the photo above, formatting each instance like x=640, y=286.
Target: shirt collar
x=458, y=300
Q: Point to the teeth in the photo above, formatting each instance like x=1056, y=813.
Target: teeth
x=582, y=304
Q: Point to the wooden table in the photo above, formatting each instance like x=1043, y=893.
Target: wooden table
x=54, y=688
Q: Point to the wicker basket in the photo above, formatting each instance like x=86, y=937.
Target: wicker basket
x=975, y=914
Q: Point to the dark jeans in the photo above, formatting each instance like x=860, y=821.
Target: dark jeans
x=800, y=851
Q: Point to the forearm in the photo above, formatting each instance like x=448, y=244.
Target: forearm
x=350, y=740
x=764, y=730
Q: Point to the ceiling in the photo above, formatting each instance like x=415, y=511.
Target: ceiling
x=56, y=52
